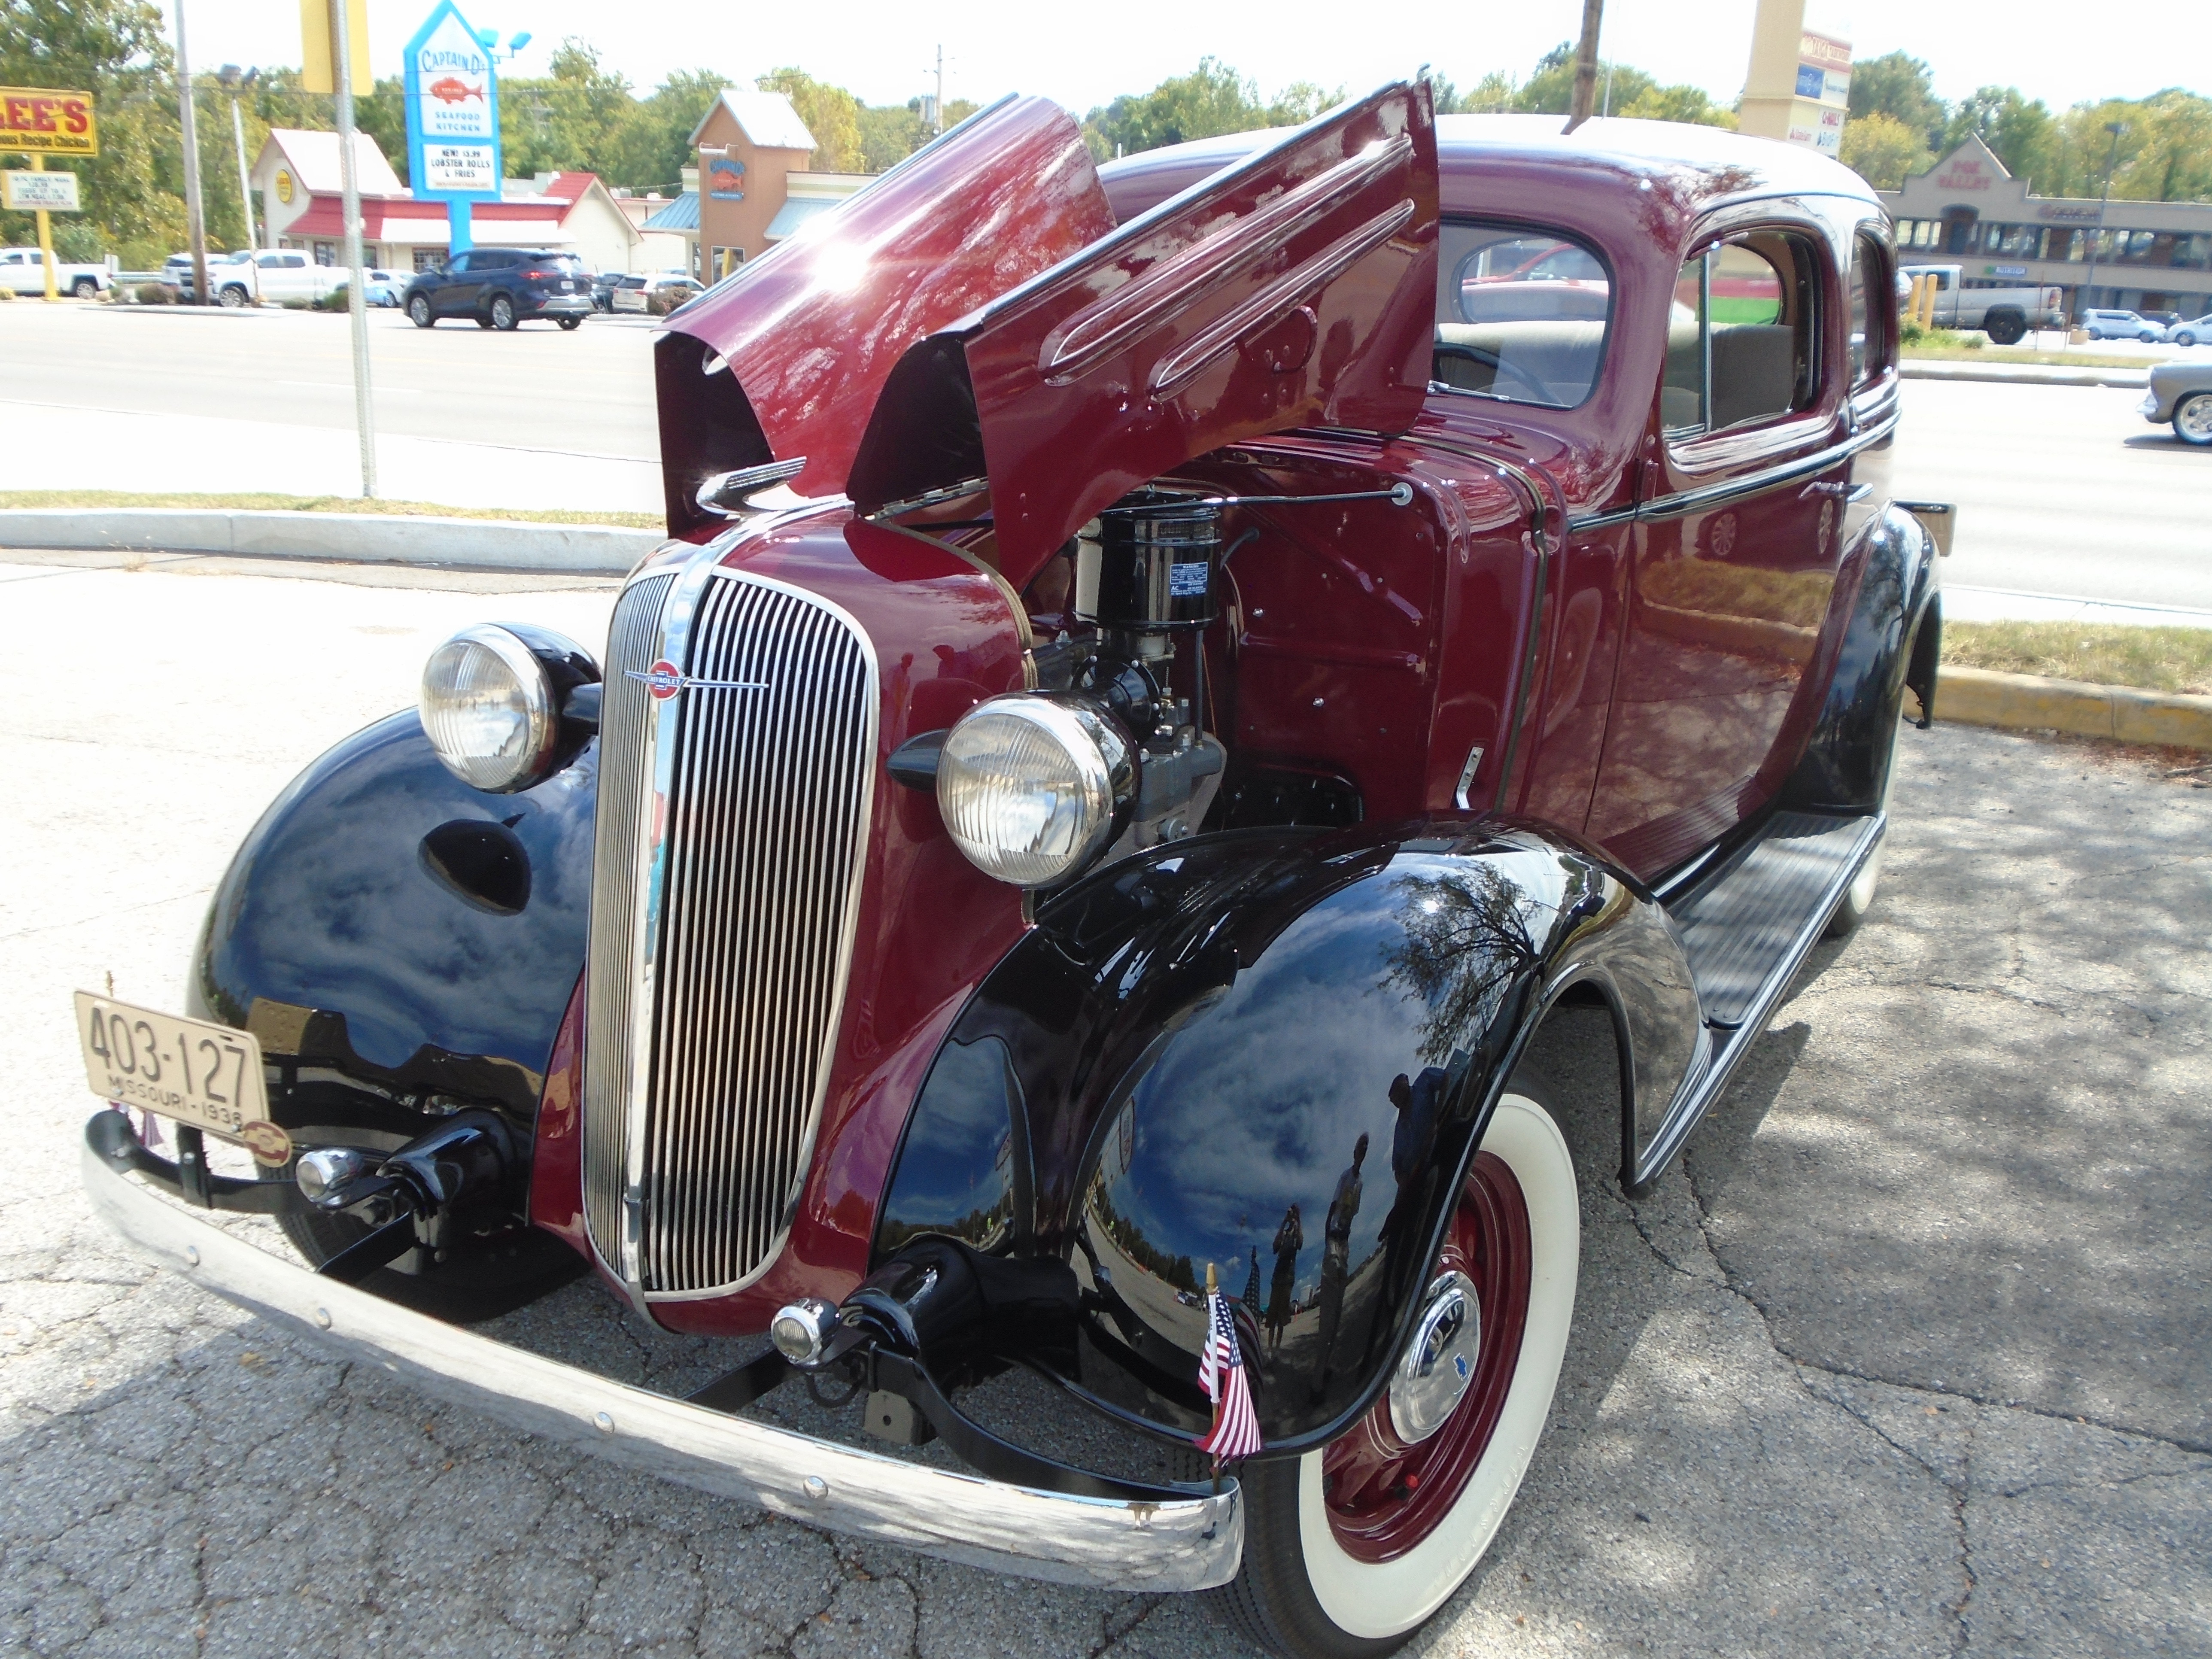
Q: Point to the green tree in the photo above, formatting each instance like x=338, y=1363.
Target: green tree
x=1897, y=85
x=1212, y=99
x=831, y=114
x=1882, y=150
x=1692, y=106
x=656, y=142
x=133, y=189
x=571, y=120
x=2021, y=130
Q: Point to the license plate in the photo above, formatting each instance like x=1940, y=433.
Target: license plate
x=191, y=1069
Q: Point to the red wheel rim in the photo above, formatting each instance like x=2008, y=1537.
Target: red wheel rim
x=1384, y=1498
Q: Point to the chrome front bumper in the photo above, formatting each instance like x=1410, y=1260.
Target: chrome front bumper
x=1103, y=1543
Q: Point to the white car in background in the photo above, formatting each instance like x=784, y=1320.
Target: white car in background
x=657, y=292
x=2190, y=330
x=23, y=270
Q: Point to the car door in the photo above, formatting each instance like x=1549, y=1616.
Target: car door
x=1739, y=538
x=458, y=285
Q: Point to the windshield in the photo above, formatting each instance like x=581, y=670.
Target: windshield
x=1521, y=315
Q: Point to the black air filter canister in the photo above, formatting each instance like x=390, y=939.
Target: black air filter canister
x=1143, y=567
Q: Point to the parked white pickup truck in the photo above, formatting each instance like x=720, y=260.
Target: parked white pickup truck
x=23, y=270
x=2005, y=314
x=268, y=277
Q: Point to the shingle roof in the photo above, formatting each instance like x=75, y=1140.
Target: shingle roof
x=766, y=117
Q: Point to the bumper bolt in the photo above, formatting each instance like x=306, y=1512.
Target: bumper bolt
x=323, y=1317
x=816, y=1487
x=605, y=1422
x=191, y=1255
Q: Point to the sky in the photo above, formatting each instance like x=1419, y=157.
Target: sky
x=1083, y=55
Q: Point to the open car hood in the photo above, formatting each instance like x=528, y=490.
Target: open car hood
x=977, y=315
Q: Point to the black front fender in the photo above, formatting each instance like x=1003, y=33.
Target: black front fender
x=403, y=945
x=1183, y=1060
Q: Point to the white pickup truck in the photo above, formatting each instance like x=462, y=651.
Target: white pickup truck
x=2005, y=314
x=268, y=277
x=23, y=270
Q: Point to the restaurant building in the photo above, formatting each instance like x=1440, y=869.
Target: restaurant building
x=297, y=181
x=1967, y=211
x=752, y=186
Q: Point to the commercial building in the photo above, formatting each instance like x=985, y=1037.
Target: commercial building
x=297, y=179
x=1967, y=211
x=752, y=187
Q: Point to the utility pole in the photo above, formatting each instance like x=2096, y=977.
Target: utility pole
x=230, y=77
x=936, y=124
x=195, y=221
x=364, y=414
x=1585, y=98
x=2112, y=158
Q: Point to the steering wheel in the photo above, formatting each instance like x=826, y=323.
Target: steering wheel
x=1497, y=366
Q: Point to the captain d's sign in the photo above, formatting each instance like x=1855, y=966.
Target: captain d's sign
x=39, y=121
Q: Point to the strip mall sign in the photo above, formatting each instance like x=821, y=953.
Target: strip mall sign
x=41, y=121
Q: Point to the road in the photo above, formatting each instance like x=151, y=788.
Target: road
x=1907, y=1357
x=2062, y=490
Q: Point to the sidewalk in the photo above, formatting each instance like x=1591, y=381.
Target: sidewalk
x=53, y=447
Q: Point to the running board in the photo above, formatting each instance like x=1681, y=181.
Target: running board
x=1747, y=931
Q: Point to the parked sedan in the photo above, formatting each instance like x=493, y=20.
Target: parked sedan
x=381, y=287
x=837, y=961
x=2190, y=330
x=503, y=288
x=2181, y=393
x=657, y=292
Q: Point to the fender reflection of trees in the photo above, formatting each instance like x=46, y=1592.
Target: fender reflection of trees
x=1472, y=935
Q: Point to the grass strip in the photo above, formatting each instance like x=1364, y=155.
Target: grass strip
x=248, y=503
x=2101, y=654
x=1961, y=354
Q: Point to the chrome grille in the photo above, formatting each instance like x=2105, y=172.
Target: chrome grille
x=701, y=1123
x=625, y=714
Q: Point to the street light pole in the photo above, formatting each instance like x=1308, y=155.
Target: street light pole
x=2112, y=157
x=195, y=221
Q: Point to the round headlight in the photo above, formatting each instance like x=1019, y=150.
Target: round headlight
x=1027, y=786
x=490, y=711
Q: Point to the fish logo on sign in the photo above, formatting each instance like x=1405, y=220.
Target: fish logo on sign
x=454, y=90
x=664, y=680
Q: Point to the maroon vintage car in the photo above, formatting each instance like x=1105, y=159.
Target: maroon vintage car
x=1165, y=675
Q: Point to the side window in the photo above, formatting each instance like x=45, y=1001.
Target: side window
x=1521, y=314
x=1870, y=323
x=1741, y=339
x=460, y=264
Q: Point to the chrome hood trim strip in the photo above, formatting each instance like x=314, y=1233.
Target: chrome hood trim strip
x=1101, y=1543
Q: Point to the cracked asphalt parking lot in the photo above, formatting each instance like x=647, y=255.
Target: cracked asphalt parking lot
x=1908, y=1355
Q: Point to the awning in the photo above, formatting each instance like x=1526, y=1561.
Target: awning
x=681, y=216
x=798, y=211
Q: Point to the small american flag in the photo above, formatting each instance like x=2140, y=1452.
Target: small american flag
x=1235, y=1431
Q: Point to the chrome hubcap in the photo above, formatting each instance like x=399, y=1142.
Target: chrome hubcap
x=2195, y=418
x=1438, y=1364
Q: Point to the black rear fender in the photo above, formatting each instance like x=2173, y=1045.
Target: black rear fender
x=1191, y=1044
x=1892, y=643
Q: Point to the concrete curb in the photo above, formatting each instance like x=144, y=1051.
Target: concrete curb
x=2022, y=373
x=1982, y=696
x=359, y=537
